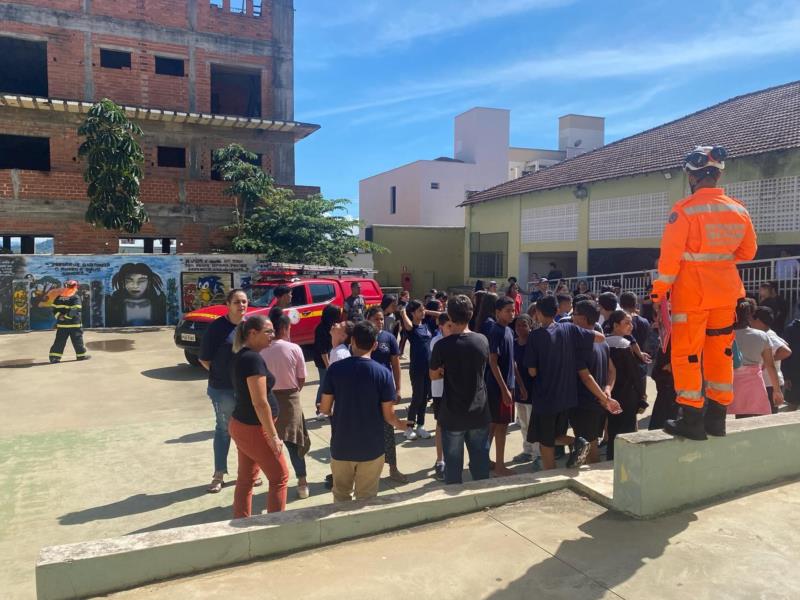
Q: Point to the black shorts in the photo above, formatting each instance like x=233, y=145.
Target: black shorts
x=437, y=403
x=587, y=423
x=545, y=429
x=501, y=414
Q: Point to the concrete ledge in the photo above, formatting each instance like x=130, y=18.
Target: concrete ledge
x=656, y=473
x=103, y=566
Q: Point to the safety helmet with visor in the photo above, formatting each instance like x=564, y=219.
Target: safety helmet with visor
x=704, y=157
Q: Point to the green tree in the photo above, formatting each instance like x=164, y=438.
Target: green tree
x=113, y=168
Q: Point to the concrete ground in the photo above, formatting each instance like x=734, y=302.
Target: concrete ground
x=122, y=443
x=558, y=546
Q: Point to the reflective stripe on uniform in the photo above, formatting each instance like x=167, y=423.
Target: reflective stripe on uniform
x=680, y=318
x=67, y=306
x=706, y=257
x=55, y=354
x=720, y=387
x=688, y=394
x=667, y=278
x=711, y=208
x=59, y=326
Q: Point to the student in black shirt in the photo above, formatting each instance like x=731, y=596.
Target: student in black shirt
x=460, y=359
x=252, y=424
x=215, y=356
x=501, y=381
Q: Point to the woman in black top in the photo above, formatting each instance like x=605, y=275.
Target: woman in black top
x=252, y=425
x=629, y=388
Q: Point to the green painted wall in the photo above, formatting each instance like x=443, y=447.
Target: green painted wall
x=433, y=255
x=504, y=214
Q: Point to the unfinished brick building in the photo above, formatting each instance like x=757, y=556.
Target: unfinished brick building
x=195, y=74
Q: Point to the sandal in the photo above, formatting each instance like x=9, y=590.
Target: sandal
x=216, y=485
x=258, y=482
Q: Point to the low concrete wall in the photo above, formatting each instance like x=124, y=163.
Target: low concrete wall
x=103, y=566
x=655, y=472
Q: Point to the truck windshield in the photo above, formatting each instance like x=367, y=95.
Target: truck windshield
x=261, y=296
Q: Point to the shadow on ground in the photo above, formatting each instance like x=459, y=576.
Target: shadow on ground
x=190, y=438
x=133, y=505
x=180, y=372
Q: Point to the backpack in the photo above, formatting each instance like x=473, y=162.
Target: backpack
x=738, y=359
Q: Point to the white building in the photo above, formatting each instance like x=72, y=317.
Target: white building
x=428, y=192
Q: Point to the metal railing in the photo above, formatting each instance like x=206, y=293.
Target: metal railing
x=785, y=272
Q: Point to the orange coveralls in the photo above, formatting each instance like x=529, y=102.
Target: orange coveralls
x=707, y=233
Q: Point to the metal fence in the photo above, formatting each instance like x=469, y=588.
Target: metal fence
x=783, y=271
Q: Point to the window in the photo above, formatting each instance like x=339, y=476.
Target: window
x=215, y=174
x=23, y=67
x=256, y=8
x=169, y=66
x=322, y=292
x=487, y=254
x=25, y=244
x=235, y=91
x=216, y=3
x=434, y=185
x=393, y=200
x=299, y=296
x=115, y=59
x=147, y=246
x=171, y=157
x=24, y=152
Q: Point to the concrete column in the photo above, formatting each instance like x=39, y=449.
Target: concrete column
x=283, y=163
x=88, y=73
x=191, y=13
x=582, y=241
x=283, y=61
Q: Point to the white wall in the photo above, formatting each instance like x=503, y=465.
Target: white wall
x=374, y=195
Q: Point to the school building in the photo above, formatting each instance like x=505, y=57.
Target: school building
x=604, y=211
x=196, y=75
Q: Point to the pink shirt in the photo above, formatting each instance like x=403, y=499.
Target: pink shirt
x=285, y=361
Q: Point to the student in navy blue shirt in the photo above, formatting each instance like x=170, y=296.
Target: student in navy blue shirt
x=485, y=319
x=523, y=394
x=359, y=395
x=387, y=353
x=596, y=373
x=564, y=307
x=552, y=360
x=500, y=381
x=419, y=336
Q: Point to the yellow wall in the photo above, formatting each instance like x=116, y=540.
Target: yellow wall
x=433, y=255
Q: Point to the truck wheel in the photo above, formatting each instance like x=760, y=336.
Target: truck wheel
x=192, y=359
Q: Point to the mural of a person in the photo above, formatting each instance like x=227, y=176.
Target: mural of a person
x=137, y=297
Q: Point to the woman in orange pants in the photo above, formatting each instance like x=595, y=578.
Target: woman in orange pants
x=252, y=425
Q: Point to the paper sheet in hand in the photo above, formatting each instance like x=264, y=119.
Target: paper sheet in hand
x=664, y=324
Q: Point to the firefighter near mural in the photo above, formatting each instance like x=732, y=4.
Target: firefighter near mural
x=705, y=235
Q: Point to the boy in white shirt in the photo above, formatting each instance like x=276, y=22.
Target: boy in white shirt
x=340, y=338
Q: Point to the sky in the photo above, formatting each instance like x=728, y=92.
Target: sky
x=385, y=78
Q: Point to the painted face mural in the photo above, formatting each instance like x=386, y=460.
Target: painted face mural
x=137, y=299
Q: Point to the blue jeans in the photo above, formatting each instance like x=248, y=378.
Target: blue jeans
x=298, y=462
x=477, y=442
x=223, y=402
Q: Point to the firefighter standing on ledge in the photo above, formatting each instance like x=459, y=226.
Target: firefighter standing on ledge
x=67, y=309
x=706, y=234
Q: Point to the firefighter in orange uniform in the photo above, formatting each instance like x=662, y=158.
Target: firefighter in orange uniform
x=706, y=234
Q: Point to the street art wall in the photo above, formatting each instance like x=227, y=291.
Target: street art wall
x=119, y=290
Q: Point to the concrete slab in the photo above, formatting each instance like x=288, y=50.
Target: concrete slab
x=656, y=473
x=554, y=546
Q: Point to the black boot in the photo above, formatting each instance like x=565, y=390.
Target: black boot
x=715, y=418
x=689, y=424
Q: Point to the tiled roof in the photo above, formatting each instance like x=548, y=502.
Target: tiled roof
x=754, y=123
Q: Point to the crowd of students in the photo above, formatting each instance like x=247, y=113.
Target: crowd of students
x=572, y=361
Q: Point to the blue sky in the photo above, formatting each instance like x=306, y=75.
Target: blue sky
x=384, y=78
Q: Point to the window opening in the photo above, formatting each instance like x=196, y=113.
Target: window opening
x=169, y=66
x=23, y=67
x=299, y=297
x=24, y=152
x=25, y=244
x=115, y=59
x=171, y=157
x=238, y=7
x=256, y=8
x=322, y=292
x=434, y=185
x=393, y=200
x=147, y=246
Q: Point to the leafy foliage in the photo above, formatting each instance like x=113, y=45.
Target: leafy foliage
x=113, y=168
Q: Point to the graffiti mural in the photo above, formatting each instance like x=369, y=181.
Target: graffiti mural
x=204, y=289
x=119, y=290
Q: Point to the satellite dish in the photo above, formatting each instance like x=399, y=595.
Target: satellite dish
x=577, y=143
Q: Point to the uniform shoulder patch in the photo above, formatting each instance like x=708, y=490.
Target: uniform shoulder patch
x=673, y=217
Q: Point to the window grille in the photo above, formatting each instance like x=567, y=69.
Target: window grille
x=628, y=217
x=550, y=223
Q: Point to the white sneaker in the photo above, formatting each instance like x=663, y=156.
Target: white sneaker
x=302, y=492
x=410, y=434
x=423, y=433
x=321, y=417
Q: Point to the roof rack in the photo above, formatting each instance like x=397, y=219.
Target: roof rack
x=296, y=270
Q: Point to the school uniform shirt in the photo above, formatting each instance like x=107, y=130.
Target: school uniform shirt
x=359, y=387
x=322, y=343
x=596, y=361
x=501, y=343
x=387, y=348
x=628, y=385
x=554, y=352
x=776, y=342
x=526, y=379
x=486, y=327
x=437, y=385
x=464, y=404
x=340, y=352
x=419, y=337
x=217, y=348
x=641, y=330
